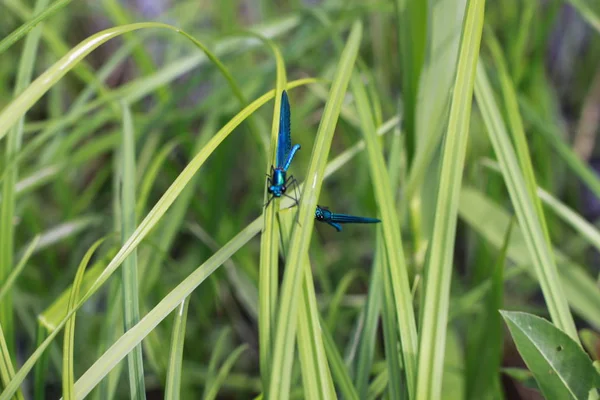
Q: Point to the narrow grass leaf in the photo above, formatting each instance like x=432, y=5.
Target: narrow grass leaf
x=68, y=377
x=339, y=370
x=439, y=268
x=313, y=361
x=397, y=269
x=175, y=369
x=558, y=363
x=224, y=372
x=129, y=271
x=541, y=253
x=269, y=245
x=287, y=316
x=22, y=30
x=8, y=284
x=218, y=352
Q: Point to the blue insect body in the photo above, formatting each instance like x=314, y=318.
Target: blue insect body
x=324, y=215
x=278, y=182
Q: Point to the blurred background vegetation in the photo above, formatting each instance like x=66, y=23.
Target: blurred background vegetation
x=69, y=174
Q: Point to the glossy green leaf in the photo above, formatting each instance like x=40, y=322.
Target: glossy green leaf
x=560, y=366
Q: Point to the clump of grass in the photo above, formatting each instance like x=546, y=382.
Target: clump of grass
x=161, y=139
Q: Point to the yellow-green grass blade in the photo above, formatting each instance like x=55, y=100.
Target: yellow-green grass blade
x=174, y=371
x=589, y=10
x=397, y=270
x=516, y=127
x=7, y=371
x=68, y=377
x=150, y=222
x=269, y=245
x=129, y=271
x=22, y=30
x=7, y=207
x=287, y=315
x=316, y=376
x=581, y=290
x=439, y=268
x=538, y=246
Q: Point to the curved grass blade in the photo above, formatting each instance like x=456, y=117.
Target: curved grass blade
x=68, y=377
x=338, y=368
x=287, y=316
x=174, y=371
x=439, y=268
x=560, y=366
x=538, y=246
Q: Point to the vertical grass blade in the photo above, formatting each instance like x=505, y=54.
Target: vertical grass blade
x=397, y=271
x=539, y=248
x=287, y=316
x=173, y=385
x=412, y=38
x=129, y=271
x=439, y=267
x=315, y=368
x=269, y=245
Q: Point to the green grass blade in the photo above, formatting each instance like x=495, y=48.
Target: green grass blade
x=439, y=267
x=269, y=245
x=397, y=269
x=175, y=370
x=338, y=368
x=539, y=248
x=7, y=207
x=412, y=39
x=129, y=271
x=315, y=368
x=21, y=31
x=68, y=377
x=553, y=137
x=223, y=372
x=366, y=350
x=8, y=284
x=279, y=385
